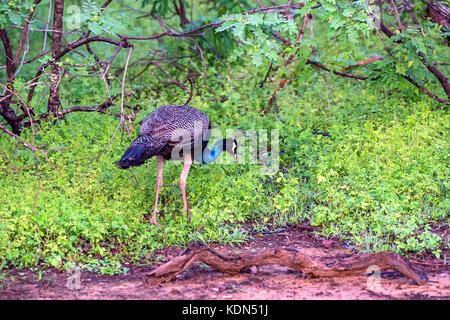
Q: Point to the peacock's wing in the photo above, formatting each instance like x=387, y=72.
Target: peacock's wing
x=175, y=123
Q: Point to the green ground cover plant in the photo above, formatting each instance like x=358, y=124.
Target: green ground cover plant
x=366, y=161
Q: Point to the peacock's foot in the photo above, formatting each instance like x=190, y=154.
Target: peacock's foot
x=154, y=222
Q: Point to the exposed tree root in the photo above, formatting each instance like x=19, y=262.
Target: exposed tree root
x=332, y=266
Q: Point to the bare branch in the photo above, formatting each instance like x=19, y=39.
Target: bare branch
x=300, y=260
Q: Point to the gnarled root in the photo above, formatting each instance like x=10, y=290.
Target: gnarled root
x=292, y=258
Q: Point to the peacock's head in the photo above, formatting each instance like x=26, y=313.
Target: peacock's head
x=230, y=145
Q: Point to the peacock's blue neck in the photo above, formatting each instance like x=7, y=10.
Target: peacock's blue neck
x=210, y=155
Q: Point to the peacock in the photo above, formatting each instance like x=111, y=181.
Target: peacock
x=175, y=132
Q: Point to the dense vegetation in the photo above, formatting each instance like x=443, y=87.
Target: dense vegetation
x=367, y=160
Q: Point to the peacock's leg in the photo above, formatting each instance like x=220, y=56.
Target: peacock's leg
x=183, y=178
x=159, y=182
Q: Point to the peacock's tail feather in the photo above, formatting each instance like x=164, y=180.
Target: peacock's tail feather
x=141, y=149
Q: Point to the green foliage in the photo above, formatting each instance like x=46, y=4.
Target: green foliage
x=379, y=181
x=348, y=19
x=384, y=180
x=13, y=12
x=255, y=32
x=93, y=19
x=366, y=161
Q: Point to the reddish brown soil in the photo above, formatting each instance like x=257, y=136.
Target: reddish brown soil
x=202, y=282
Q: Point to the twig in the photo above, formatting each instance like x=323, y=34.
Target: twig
x=191, y=91
x=299, y=38
x=47, y=25
x=267, y=76
x=202, y=57
x=122, y=119
x=397, y=17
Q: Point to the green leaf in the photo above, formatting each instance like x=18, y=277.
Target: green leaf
x=95, y=28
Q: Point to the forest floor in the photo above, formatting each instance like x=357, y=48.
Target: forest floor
x=269, y=282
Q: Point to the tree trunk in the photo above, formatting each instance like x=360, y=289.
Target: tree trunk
x=53, y=100
x=5, y=100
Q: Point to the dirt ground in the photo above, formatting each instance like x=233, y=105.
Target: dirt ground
x=268, y=282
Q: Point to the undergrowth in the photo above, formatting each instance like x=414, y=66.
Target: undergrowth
x=364, y=162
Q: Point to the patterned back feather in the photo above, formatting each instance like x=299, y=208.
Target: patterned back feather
x=165, y=128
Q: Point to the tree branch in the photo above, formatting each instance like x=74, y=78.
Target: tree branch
x=295, y=259
x=434, y=70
